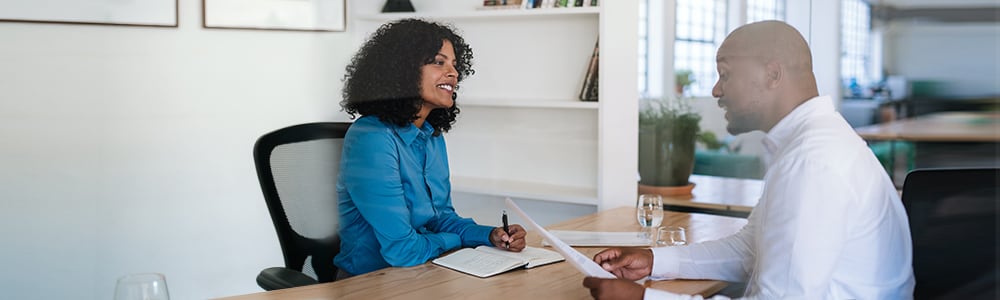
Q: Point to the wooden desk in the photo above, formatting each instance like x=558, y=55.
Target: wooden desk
x=963, y=127
x=556, y=281
x=938, y=127
x=717, y=195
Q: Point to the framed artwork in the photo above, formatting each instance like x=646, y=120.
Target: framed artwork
x=158, y=13
x=308, y=15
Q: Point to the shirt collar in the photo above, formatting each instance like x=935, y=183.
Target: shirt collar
x=410, y=132
x=783, y=132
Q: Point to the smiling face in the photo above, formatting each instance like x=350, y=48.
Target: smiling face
x=742, y=90
x=438, y=81
x=765, y=72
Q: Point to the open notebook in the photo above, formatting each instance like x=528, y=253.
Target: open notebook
x=486, y=261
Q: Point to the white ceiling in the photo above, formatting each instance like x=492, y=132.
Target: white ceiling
x=938, y=3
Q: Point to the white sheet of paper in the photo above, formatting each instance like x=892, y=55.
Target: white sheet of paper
x=582, y=263
x=601, y=238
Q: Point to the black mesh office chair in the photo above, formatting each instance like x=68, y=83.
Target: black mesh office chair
x=953, y=221
x=297, y=167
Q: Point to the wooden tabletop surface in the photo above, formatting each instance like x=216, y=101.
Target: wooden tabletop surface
x=555, y=281
x=938, y=127
x=735, y=194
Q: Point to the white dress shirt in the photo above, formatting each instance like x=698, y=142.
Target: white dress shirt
x=829, y=224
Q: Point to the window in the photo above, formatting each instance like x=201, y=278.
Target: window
x=760, y=10
x=643, y=79
x=701, y=27
x=854, y=37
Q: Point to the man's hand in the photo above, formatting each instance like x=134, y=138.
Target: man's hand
x=607, y=289
x=516, y=238
x=627, y=263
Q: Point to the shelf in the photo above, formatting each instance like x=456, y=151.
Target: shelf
x=526, y=190
x=534, y=139
x=485, y=102
x=487, y=13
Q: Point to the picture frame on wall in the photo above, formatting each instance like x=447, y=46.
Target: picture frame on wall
x=299, y=15
x=155, y=13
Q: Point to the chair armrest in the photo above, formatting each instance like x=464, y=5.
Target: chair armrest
x=277, y=278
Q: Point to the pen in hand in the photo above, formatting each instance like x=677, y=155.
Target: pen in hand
x=506, y=229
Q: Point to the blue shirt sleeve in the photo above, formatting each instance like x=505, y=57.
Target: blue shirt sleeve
x=471, y=234
x=376, y=188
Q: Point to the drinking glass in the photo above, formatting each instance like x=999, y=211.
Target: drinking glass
x=671, y=236
x=147, y=286
x=649, y=213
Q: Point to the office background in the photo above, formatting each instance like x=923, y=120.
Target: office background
x=127, y=149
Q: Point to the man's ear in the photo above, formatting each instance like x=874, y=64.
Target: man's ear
x=774, y=74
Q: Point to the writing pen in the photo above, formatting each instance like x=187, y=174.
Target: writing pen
x=506, y=229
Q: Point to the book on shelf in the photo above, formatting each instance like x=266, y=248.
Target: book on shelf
x=486, y=261
x=589, y=90
x=531, y=4
x=502, y=4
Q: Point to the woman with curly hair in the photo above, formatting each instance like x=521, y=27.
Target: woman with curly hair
x=394, y=189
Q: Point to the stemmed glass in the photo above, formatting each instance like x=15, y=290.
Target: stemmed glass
x=649, y=213
x=148, y=286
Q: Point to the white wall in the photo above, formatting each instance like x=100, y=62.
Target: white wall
x=962, y=57
x=128, y=149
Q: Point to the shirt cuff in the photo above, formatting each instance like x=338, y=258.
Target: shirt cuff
x=477, y=235
x=654, y=294
x=666, y=263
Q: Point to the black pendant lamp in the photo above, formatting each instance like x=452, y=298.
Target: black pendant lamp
x=398, y=6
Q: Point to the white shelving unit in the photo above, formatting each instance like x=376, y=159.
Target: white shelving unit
x=520, y=189
x=522, y=131
x=529, y=103
x=480, y=14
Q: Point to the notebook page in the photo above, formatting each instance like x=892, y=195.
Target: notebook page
x=534, y=256
x=478, y=263
x=579, y=261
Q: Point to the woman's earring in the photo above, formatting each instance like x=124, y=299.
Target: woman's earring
x=454, y=96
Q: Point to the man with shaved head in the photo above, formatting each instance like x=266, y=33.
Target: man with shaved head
x=829, y=223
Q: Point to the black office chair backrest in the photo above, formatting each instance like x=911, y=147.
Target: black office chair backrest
x=953, y=222
x=297, y=167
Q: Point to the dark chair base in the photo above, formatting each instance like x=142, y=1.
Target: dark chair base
x=277, y=278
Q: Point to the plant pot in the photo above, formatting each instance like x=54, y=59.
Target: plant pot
x=667, y=191
x=666, y=155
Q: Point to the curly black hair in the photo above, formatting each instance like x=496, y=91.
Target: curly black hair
x=383, y=78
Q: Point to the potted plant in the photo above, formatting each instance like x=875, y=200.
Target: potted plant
x=668, y=129
x=682, y=79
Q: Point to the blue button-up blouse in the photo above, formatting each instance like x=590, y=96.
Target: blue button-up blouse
x=395, y=199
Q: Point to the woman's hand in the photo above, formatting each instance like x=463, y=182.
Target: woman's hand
x=512, y=242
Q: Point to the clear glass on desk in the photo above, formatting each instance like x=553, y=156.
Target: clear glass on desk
x=671, y=236
x=649, y=213
x=147, y=286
